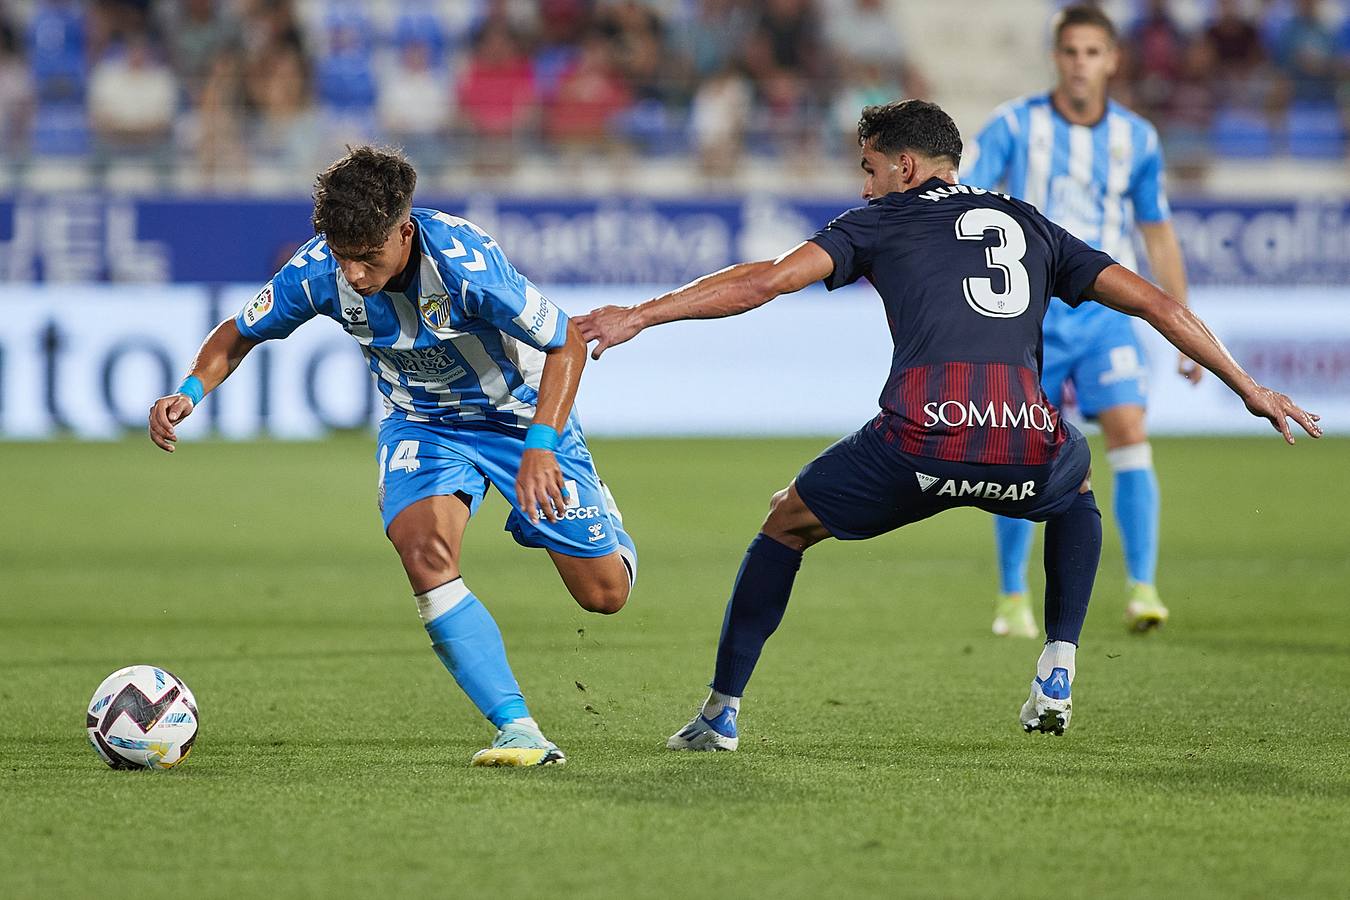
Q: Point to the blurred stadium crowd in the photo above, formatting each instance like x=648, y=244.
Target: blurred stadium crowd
x=228, y=91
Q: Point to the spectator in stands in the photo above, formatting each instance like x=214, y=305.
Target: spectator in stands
x=115, y=23
x=415, y=104
x=1195, y=96
x=1305, y=52
x=133, y=98
x=869, y=82
x=717, y=117
x=497, y=97
x=1240, y=72
x=710, y=37
x=863, y=34
x=790, y=32
x=16, y=97
x=590, y=94
x=638, y=38
x=1156, y=47
x=56, y=50
x=196, y=32
x=218, y=119
x=289, y=133
x=785, y=108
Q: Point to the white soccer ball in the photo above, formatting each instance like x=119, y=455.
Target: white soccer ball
x=142, y=717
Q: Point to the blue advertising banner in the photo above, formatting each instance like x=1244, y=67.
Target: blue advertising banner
x=82, y=238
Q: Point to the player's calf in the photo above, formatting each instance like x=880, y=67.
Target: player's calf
x=598, y=584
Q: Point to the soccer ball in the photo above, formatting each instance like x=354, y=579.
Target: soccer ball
x=142, y=717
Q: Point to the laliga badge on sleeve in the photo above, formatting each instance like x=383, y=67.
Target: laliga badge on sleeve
x=259, y=306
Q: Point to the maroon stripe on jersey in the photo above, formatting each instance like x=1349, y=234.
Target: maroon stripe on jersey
x=995, y=439
x=1024, y=445
x=964, y=383
x=916, y=383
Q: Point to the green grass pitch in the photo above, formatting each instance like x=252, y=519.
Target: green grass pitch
x=880, y=753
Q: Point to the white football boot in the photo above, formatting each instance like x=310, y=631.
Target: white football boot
x=1049, y=707
x=702, y=733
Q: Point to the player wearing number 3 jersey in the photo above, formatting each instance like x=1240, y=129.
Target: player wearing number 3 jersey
x=478, y=371
x=966, y=276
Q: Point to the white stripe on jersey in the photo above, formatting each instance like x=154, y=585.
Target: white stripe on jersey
x=1040, y=149
x=309, y=296
x=407, y=320
x=490, y=376
x=398, y=394
x=1080, y=154
x=1120, y=147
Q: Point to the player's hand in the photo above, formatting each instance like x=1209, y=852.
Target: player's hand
x=539, y=486
x=608, y=326
x=1278, y=408
x=1189, y=369
x=165, y=413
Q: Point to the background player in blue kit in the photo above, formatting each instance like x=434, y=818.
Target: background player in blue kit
x=966, y=277
x=1095, y=168
x=479, y=372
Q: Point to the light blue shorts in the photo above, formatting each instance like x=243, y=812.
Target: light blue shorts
x=1102, y=357
x=420, y=459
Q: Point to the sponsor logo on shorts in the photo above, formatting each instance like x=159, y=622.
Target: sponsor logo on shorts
x=576, y=513
x=259, y=306
x=987, y=490
x=968, y=414
x=571, y=496
x=597, y=532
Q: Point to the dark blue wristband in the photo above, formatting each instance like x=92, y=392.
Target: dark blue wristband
x=541, y=437
x=192, y=389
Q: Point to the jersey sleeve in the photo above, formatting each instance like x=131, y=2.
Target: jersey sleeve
x=1076, y=265
x=275, y=311
x=1147, y=193
x=849, y=240
x=986, y=162
x=492, y=290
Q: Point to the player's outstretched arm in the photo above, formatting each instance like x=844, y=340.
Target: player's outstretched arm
x=1121, y=289
x=539, y=483
x=732, y=291
x=220, y=354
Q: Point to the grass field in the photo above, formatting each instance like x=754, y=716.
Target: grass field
x=880, y=753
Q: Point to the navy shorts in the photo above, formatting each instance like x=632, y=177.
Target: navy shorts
x=861, y=486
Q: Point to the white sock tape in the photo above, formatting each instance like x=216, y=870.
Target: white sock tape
x=440, y=600
x=1131, y=457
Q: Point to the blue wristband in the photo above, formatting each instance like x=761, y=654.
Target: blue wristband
x=192, y=389
x=541, y=437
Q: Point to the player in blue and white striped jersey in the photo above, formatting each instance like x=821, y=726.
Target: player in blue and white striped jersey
x=479, y=372
x=1095, y=168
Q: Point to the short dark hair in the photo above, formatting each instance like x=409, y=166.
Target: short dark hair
x=910, y=125
x=361, y=197
x=1084, y=14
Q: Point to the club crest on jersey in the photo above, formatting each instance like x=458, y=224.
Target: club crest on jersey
x=259, y=306
x=435, y=309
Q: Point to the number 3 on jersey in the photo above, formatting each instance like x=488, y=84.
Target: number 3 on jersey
x=1006, y=255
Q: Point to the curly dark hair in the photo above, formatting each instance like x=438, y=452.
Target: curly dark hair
x=910, y=125
x=1083, y=14
x=361, y=197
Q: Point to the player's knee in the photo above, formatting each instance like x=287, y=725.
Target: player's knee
x=428, y=554
x=605, y=598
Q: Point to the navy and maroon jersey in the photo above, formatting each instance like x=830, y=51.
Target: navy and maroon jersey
x=966, y=276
